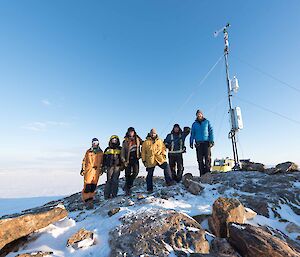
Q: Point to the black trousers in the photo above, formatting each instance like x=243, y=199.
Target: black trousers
x=167, y=173
x=131, y=172
x=203, y=157
x=112, y=183
x=176, y=161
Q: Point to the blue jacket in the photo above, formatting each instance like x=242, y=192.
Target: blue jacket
x=175, y=142
x=201, y=131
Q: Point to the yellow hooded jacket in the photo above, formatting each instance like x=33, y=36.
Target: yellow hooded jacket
x=153, y=152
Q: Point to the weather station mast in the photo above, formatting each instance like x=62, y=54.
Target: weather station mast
x=235, y=114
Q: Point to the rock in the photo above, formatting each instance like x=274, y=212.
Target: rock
x=225, y=210
x=252, y=166
x=286, y=167
x=192, y=186
x=253, y=241
x=222, y=248
x=82, y=238
x=291, y=227
x=195, y=188
x=156, y=232
x=201, y=217
x=186, y=179
x=250, y=214
x=35, y=254
x=18, y=227
x=113, y=211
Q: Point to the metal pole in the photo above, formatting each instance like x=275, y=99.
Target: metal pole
x=232, y=131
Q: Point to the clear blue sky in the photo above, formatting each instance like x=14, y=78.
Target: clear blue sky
x=74, y=70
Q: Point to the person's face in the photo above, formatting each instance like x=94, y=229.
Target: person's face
x=176, y=129
x=153, y=135
x=131, y=133
x=114, y=140
x=95, y=144
x=199, y=116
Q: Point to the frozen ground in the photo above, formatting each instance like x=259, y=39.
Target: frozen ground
x=54, y=237
x=24, y=189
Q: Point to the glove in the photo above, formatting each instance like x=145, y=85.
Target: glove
x=191, y=146
x=82, y=172
x=186, y=130
x=211, y=144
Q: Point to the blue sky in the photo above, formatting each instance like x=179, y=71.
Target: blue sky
x=74, y=70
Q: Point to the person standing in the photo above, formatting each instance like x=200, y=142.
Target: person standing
x=154, y=154
x=112, y=165
x=91, y=170
x=202, y=135
x=175, y=144
x=130, y=155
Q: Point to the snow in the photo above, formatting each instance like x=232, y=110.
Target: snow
x=54, y=237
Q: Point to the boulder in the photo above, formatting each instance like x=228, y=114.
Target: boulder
x=191, y=186
x=35, y=254
x=247, y=165
x=12, y=229
x=156, y=232
x=253, y=241
x=225, y=210
x=195, y=188
x=186, y=179
x=286, y=167
x=82, y=238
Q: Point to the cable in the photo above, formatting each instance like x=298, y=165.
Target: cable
x=193, y=92
x=268, y=110
x=268, y=75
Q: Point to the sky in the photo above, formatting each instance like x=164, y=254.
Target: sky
x=74, y=70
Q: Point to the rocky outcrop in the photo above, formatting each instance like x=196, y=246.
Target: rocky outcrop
x=225, y=210
x=82, y=238
x=259, y=191
x=253, y=241
x=283, y=168
x=247, y=165
x=14, y=228
x=157, y=232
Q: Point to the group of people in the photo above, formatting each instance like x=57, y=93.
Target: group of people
x=152, y=151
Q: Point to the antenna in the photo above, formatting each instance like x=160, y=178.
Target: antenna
x=232, y=87
x=217, y=32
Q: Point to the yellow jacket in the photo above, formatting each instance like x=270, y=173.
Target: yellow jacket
x=153, y=152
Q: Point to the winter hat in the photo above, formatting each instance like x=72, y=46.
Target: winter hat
x=130, y=129
x=176, y=126
x=95, y=139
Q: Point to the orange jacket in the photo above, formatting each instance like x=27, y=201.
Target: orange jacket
x=92, y=166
